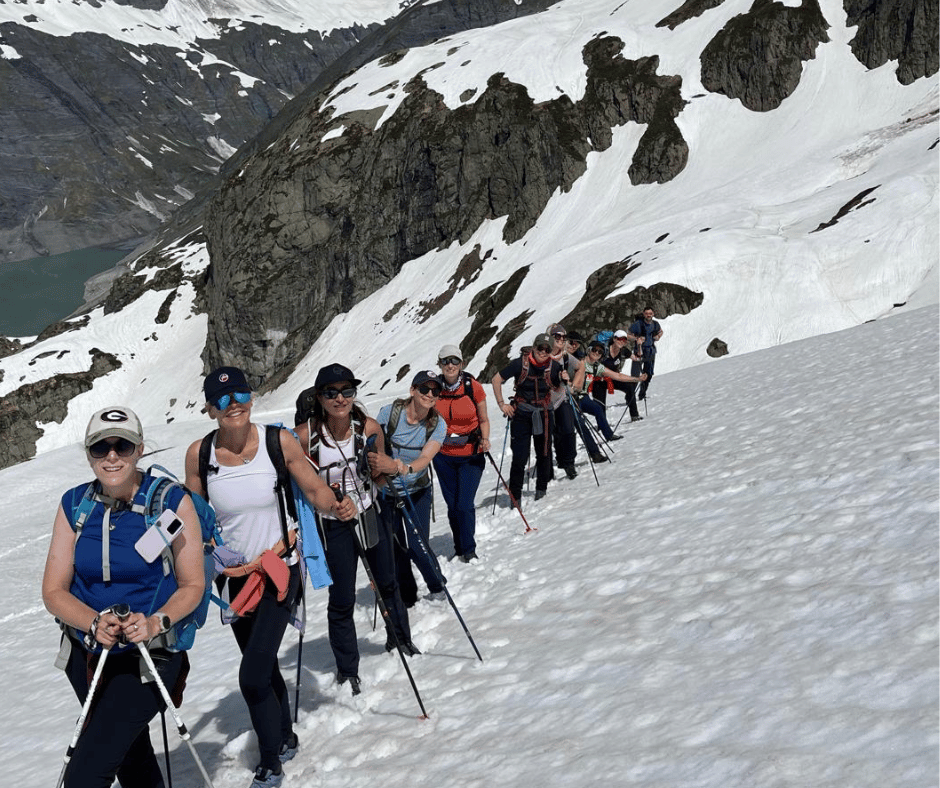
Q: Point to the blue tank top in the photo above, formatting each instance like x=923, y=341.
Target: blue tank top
x=141, y=585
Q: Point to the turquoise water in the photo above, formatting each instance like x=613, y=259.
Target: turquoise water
x=36, y=293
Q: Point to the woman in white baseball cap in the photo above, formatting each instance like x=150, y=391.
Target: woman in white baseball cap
x=109, y=598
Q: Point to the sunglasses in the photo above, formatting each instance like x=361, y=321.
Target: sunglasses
x=559, y=336
x=429, y=391
x=452, y=360
x=543, y=348
x=241, y=397
x=101, y=449
x=349, y=393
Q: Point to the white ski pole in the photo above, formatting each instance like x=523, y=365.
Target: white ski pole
x=81, y=718
x=180, y=727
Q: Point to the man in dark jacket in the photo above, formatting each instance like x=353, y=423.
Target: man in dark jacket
x=647, y=332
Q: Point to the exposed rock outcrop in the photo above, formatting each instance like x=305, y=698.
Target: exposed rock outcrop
x=24, y=408
x=758, y=57
x=307, y=228
x=907, y=31
x=688, y=10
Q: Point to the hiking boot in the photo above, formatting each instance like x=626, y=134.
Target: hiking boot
x=570, y=471
x=354, y=684
x=636, y=418
x=468, y=557
x=267, y=778
x=288, y=748
x=408, y=648
x=597, y=457
x=613, y=438
x=437, y=596
x=539, y=494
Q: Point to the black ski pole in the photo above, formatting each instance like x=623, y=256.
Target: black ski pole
x=626, y=408
x=577, y=430
x=602, y=442
x=166, y=750
x=501, y=458
x=412, y=520
x=383, y=608
x=512, y=497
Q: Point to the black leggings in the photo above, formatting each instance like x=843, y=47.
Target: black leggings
x=116, y=738
x=259, y=636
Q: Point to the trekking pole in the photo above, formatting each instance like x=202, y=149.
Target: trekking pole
x=81, y=717
x=383, y=608
x=602, y=443
x=577, y=429
x=498, y=471
x=412, y=520
x=279, y=493
x=166, y=750
x=300, y=651
x=512, y=497
x=180, y=727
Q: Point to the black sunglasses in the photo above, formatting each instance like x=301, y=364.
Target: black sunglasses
x=559, y=335
x=101, y=449
x=427, y=390
x=452, y=360
x=543, y=348
x=349, y=393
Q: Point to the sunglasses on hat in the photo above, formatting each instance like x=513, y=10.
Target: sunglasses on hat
x=101, y=449
x=241, y=397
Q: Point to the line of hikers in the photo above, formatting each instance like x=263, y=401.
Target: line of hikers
x=135, y=556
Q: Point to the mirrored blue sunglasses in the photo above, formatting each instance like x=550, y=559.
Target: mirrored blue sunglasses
x=241, y=397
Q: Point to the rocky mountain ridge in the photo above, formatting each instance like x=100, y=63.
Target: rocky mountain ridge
x=379, y=169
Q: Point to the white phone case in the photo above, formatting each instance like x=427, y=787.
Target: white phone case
x=164, y=531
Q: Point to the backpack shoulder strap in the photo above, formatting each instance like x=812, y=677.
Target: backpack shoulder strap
x=393, y=418
x=525, y=370
x=272, y=440
x=205, y=448
x=84, y=508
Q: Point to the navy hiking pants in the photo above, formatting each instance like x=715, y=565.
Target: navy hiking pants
x=459, y=478
x=343, y=561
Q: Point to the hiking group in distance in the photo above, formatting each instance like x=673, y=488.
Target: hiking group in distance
x=136, y=556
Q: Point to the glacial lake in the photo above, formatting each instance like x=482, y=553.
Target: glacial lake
x=36, y=293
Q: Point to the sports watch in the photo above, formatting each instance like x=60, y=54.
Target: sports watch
x=164, y=620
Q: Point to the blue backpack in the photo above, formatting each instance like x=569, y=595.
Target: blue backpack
x=182, y=634
x=603, y=336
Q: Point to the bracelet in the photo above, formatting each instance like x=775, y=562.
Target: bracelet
x=90, y=640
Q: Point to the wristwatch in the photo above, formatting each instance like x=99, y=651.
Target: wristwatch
x=164, y=620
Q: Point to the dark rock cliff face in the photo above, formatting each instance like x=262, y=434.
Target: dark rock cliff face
x=102, y=140
x=902, y=30
x=758, y=56
x=307, y=229
x=44, y=401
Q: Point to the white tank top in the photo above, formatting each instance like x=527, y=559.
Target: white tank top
x=245, y=504
x=338, y=466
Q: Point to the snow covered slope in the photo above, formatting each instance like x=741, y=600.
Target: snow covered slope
x=749, y=598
